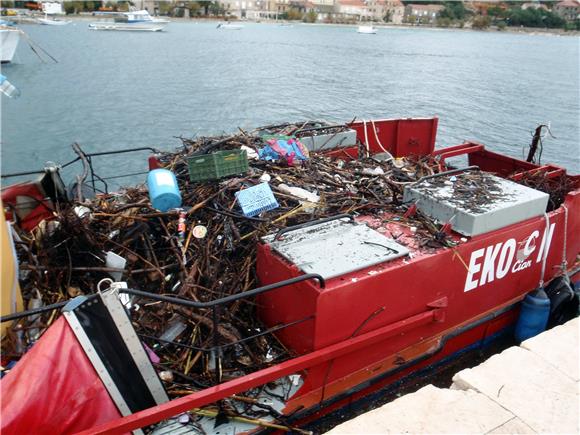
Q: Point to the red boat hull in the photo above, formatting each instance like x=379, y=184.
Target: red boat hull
x=456, y=281
x=370, y=328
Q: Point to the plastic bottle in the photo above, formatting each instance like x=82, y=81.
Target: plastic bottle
x=8, y=88
x=163, y=191
x=534, y=315
x=181, y=227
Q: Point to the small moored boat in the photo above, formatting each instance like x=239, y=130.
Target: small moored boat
x=9, y=38
x=369, y=30
x=229, y=26
x=52, y=21
x=50, y=8
x=139, y=21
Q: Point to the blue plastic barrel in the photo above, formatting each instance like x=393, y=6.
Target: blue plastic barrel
x=533, y=315
x=163, y=191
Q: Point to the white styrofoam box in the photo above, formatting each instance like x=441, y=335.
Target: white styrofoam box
x=476, y=202
x=329, y=141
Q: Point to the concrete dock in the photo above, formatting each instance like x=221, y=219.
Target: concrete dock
x=526, y=389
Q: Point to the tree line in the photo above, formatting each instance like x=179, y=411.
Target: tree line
x=510, y=14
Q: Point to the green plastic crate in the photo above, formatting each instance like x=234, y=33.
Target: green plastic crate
x=217, y=165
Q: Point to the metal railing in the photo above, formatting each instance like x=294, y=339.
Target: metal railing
x=92, y=175
x=214, y=305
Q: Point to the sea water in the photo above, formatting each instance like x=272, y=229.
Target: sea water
x=115, y=90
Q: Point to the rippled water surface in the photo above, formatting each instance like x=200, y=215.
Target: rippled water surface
x=116, y=89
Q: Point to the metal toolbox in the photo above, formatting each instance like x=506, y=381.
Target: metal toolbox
x=475, y=202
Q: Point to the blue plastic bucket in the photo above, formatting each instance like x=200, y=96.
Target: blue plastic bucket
x=163, y=191
x=533, y=315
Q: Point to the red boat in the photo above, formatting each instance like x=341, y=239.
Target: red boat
x=367, y=302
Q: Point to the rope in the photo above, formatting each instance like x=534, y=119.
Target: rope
x=366, y=138
x=14, y=291
x=546, y=249
x=377, y=138
x=564, y=261
x=31, y=41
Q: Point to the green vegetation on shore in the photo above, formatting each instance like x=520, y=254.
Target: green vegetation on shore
x=501, y=15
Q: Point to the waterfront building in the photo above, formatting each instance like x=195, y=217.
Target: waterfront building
x=324, y=8
x=283, y=6
x=268, y=8
x=250, y=9
x=353, y=10
x=396, y=11
x=152, y=6
x=568, y=10
x=391, y=11
x=420, y=13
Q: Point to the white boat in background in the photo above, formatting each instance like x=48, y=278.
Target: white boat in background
x=9, y=38
x=229, y=26
x=131, y=21
x=143, y=16
x=131, y=27
x=50, y=8
x=52, y=21
x=369, y=30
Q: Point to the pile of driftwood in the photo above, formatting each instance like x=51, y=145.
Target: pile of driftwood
x=202, y=252
x=555, y=185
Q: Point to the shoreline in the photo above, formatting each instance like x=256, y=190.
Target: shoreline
x=536, y=31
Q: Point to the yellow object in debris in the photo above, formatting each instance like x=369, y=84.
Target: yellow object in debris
x=11, y=297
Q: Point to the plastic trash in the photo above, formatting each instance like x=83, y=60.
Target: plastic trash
x=298, y=192
x=166, y=375
x=163, y=191
x=116, y=262
x=376, y=171
x=199, y=231
x=176, y=327
x=153, y=357
x=181, y=227
x=8, y=88
x=35, y=302
x=383, y=157
x=398, y=163
x=288, y=148
x=256, y=199
x=183, y=418
x=82, y=211
x=250, y=152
